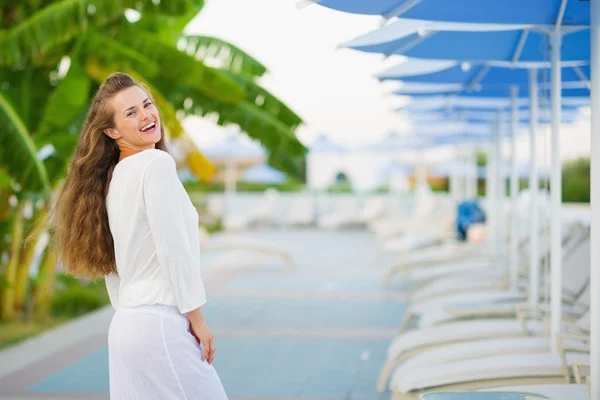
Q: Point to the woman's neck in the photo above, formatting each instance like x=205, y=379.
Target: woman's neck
x=129, y=151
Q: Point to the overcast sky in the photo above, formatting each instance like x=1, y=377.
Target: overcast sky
x=333, y=90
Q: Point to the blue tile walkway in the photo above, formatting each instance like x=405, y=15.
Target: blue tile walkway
x=303, y=363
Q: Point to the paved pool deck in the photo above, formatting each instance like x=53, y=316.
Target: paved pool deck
x=315, y=333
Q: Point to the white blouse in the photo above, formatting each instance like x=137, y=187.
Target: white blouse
x=155, y=231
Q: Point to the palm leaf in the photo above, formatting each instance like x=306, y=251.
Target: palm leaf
x=111, y=52
x=26, y=90
x=182, y=68
x=5, y=179
x=169, y=27
x=64, y=20
x=70, y=97
x=275, y=136
x=264, y=100
x=18, y=152
x=223, y=54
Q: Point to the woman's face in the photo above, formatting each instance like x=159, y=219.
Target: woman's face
x=136, y=119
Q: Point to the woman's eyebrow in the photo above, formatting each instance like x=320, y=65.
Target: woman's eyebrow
x=132, y=107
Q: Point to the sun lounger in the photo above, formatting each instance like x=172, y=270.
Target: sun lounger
x=509, y=364
x=480, y=348
x=486, y=372
x=225, y=242
x=576, y=260
x=301, y=212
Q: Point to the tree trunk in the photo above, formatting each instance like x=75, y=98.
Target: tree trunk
x=42, y=296
x=7, y=309
x=26, y=259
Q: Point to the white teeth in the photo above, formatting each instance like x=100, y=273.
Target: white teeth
x=146, y=127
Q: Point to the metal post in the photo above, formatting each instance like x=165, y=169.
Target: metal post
x=514, y=189
x=595, y=197
x=490, y=194
x=534, y=260
x=500, y=187
x=556, y=191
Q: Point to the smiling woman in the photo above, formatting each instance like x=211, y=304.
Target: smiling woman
x=136, y=121
x=124, y=215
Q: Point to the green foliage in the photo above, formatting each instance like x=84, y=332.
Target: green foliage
x=5, y=179
x=73, y=297
x=18, y=151
x=265, y=101
x=182, y=68
x=219, y=187
x=576, y=180
x=440, y=185
x=226, y=55
x=62, y=21
x=340, y=187
x=481, y=158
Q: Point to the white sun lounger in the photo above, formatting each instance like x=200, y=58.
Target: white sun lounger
x=505, y=370
x=499, y=310
x=225, y=242
x=373, y=209
x=260, y=215
x=480, y=348
x=442, y=286
x=343, y=216
x=576, y=261
x=418, y=340
x=557, y=391
x=301, y=211
x=416, y=240
x=425, y=342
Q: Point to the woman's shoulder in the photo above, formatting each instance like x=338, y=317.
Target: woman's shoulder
x=156, y=157
x=158, y=165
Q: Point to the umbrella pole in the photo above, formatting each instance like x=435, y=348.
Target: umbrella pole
x=501, y=188
x=473, y=175
x=534, y=260
x=595, y=197
x=493, y=194
x=556, y=189
x=514, y=189
x=489, y=195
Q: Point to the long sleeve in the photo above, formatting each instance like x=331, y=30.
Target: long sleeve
x=165, y=200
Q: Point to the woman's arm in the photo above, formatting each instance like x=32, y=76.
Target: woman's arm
x=163, y=196
x=202, y=333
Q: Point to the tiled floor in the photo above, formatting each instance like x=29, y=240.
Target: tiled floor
x=318, y=332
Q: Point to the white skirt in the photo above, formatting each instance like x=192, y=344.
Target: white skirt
x=153, y=355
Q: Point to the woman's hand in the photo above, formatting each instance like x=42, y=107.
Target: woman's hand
x=200, y=330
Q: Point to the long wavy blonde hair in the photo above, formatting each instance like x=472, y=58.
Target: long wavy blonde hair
x=81, y=235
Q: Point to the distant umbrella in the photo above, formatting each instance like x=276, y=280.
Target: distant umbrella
x=263, y=173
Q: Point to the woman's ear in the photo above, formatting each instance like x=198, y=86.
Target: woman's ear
x=111, y=133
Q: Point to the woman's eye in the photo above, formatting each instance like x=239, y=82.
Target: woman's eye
x=130, y=113
x=148, y=104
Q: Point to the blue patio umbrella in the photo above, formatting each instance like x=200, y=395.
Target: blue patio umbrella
x=510, y=46
x=439, y=102
x=539, y=12
x=569, y=114
x=263, y=173
x=462, y=77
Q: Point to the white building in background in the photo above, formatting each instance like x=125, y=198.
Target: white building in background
x=367, y=168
